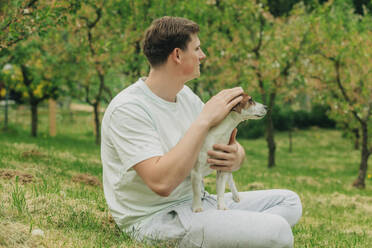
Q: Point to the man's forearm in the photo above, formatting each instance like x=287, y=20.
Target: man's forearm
x=173, y=167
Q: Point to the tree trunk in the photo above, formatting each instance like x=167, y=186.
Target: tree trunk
x=357, y=137
x=33, y=119
x=360, y=181
x=270, y=132
x=96, y=123
x=52, y=117
x=6, y=109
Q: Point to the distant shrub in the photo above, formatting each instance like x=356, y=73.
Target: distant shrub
x=251, y=129
x=301, y=119
x=318, y=117
x=284, y=118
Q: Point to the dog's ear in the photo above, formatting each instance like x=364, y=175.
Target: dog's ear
x=238, y=108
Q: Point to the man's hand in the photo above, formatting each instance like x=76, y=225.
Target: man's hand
x=227, y=157
x=218, y=107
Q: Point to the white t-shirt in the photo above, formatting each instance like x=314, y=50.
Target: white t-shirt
x=136, y=126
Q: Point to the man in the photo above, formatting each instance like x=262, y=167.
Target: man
x=152, y=133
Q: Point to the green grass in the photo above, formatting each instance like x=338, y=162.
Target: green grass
x=40, y=190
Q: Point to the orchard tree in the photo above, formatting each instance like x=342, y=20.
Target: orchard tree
x=33, y=77
x=20, y=19
x=26, y=28
x=341, y=71
x=265, y=51
x=97, y=37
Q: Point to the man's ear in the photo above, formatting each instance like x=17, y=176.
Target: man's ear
x=176, y=55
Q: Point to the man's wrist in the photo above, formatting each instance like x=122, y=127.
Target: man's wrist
x=202, y=123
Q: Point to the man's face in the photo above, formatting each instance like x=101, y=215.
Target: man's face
x=191, y=58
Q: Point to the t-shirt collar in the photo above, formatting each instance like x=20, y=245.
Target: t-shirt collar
x=154, y=97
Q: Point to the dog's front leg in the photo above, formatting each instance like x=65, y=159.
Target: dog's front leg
x=221, y=184
x=196, y=180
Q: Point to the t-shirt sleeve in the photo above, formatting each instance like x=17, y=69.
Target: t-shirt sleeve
x=134, y=135
x=196, y=102
x=199, y=104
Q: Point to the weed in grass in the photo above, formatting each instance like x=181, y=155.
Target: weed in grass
x=19, y=199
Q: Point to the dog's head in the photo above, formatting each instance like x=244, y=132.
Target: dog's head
x=249, y=109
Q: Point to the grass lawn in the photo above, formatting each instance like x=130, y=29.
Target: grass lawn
x=54, y=184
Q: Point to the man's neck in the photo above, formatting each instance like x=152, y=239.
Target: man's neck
x=164, y=83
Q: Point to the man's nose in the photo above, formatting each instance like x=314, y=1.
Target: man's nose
x=203, y=56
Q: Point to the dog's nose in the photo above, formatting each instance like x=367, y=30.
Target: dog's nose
x=265, y=107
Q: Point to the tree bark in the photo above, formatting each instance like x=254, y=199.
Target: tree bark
x=33, y=119
x=96, y=123
x=360, y=181
x=357, y=137
x=6, y=109
x=52, y=117
x=270, y=132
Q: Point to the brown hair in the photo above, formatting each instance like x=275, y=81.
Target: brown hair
x=164, y=35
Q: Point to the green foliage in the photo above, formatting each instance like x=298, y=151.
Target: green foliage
x=285, y=119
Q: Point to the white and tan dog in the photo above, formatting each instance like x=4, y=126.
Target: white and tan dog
x=220, y=134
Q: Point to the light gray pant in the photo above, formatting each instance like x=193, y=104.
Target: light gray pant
x=262, y=218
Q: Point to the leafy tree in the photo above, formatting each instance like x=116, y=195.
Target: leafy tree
x=341, y=70
x=99, y=36
x=32, y=78
x=20, y=19
x=265, y=51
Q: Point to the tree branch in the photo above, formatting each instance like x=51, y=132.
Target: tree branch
x=260, y=38
x=343, y=91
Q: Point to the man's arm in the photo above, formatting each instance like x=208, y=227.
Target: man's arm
x=164, y=173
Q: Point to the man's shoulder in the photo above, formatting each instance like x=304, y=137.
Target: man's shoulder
x=133, y=94
x=126, y=99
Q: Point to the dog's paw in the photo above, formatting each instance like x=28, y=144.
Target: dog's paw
x=197, y=210
x=236, y=198
x=222, y=207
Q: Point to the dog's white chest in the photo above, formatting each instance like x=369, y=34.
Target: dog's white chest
x=217, y=135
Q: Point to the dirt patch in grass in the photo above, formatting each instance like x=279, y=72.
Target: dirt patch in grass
x=32, y=154
x=86, y=179
x=108, y=220
x=308, y=180
x=252, y=186
x=361, y=203
x=18, y=235
x=22, y=177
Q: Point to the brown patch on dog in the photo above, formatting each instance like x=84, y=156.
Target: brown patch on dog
x=238, y=108
x=22, y=177
x=86, y=179
x=32, y=153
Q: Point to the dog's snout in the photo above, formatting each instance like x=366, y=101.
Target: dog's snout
x=265, y=107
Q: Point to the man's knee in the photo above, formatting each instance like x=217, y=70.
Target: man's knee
x=294, y=201
x=270, y=231
x=280, y=233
